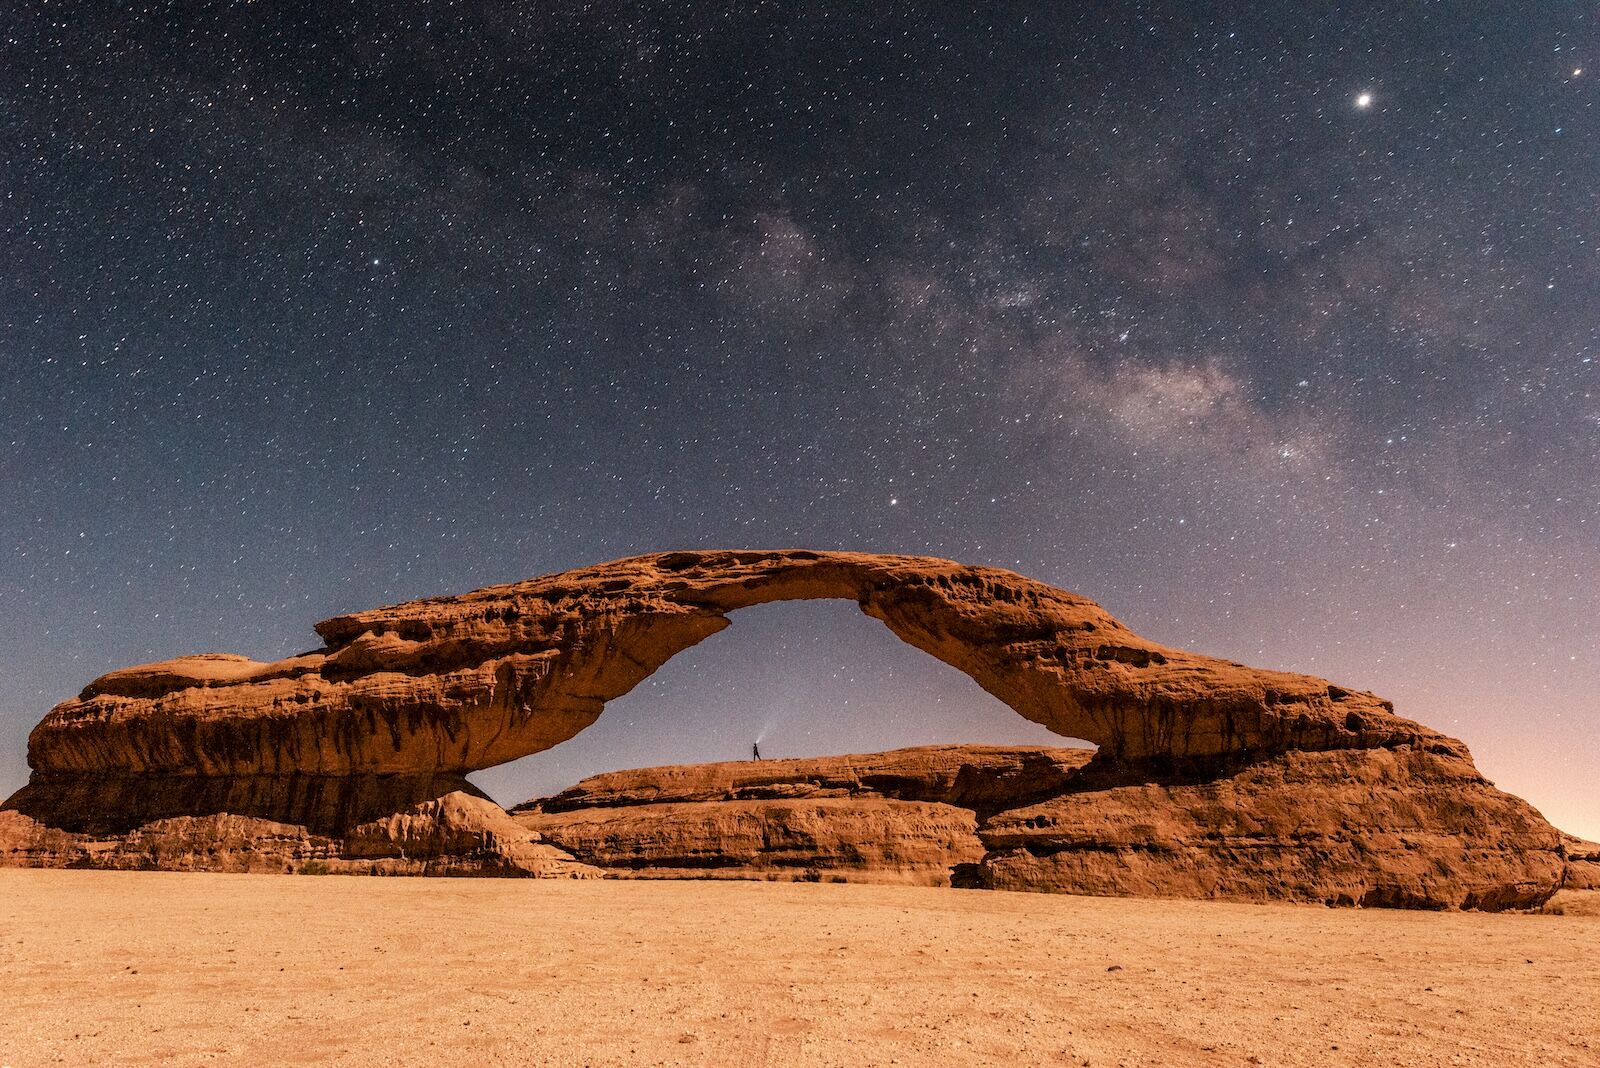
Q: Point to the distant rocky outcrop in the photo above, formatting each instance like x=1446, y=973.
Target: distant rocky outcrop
x=363, y=745
x=1582, y=863
x=983, y=778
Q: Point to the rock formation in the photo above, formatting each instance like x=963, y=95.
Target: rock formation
x=1403, y=828
x=907, y=816
x=1582, y=863
x=983, y=778
x=455, y=834
x=400, y=703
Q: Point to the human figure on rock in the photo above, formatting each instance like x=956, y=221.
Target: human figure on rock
x=755, y=751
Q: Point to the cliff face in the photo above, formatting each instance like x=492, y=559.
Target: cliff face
x=839, y=839
x=1582, y=863
x=385, y=719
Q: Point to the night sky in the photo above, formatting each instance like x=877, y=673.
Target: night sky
x=1277, y=332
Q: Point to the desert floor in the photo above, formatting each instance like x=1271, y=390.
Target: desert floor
x=110, y=967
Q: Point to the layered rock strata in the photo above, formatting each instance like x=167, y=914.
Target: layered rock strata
x=1403, y=828
x=1400, y=828
x=1582, y=863
x=455, y=834
x=398, y=704
x=445, y=686
x=908, y=816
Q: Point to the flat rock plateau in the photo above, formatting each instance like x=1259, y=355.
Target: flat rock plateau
x=189, y=969
x=1210, y=778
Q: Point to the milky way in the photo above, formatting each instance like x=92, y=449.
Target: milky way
x=1275, y=333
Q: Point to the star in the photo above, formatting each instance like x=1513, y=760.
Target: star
x=1364, y=101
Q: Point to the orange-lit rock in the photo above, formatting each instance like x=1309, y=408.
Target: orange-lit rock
x=367, y=740
x=907, y=816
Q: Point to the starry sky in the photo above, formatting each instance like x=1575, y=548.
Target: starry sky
x=1272, y=330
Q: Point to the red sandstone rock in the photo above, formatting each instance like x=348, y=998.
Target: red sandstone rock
x=1405, y=828
x=983, y=778
x=904, y=816
x=865, y=839
x=1582, y=863
x=453, y=684
x=351, y=757
x=457, y=834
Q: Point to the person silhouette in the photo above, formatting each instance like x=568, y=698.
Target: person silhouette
x=755, y=751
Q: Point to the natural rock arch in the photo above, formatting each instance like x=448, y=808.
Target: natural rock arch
x=404, y=700
x=793, y=677
x=1212, y=778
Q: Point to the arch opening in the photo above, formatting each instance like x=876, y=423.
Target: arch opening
x=801, y=678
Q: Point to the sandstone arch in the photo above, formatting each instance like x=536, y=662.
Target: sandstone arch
x=1212, y=780
x=403, y=701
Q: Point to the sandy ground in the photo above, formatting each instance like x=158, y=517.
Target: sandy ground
x=106, y=967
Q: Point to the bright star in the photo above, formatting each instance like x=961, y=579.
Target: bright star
x=1364, y=101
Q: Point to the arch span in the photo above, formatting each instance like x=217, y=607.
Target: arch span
x=448, y=685
x=793, y=677
x=358, y=750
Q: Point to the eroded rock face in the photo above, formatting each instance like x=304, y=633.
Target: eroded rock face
x=907, y=816
x=983, y=778
x=838, y=839
x=354, y=755
x=1402, y=828
x=453, y=684
x=456, y=834
x=1583, y=863
x=112, y=804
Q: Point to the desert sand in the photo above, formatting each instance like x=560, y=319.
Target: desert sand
x=134, y=967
